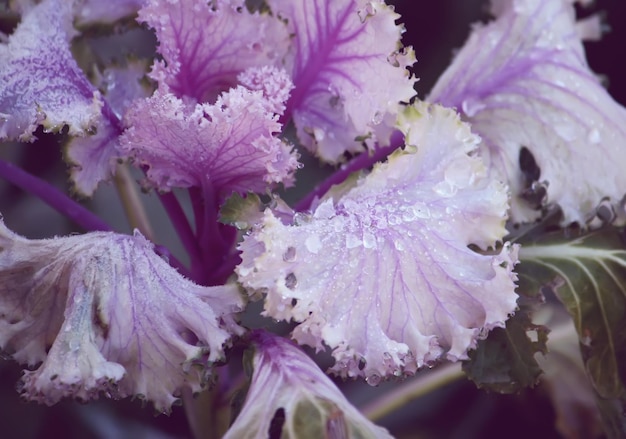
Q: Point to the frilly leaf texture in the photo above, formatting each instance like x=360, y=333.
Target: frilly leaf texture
x=40, y=82
x=522, y=80
x=104, y=314
x=205, y=45
x=349, y=71
x=384, y=275
x=230, y=145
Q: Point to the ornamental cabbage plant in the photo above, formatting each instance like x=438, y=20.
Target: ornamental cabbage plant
x=328, y=226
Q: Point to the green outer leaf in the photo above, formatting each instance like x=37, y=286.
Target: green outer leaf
x=505, y=361
x=588, y=274
x=241, y=212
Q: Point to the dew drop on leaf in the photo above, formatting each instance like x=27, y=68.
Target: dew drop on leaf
x=373, y=379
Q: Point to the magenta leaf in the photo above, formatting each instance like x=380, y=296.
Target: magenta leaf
x=229, y=145
x=92, y=158
x=206, y=44
x=349, y=72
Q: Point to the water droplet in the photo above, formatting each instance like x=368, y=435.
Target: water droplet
x=300, y=219
x=444, y=189
x=381, y=223
x=291, y=281
x=352, y=241
x=408, y=214
x=313, y=244
x=369, y=240
x=378, y=118
x=565, y=131
x=74, y=345
x=241, y=225
x=373, y=380
x=594, y=136
x=290, y=254
x=471, y=106
x=421, y=210
x=520, y=8
x=399, y=245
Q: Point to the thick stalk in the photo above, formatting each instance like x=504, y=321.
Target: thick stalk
x=200, y=414
x=133, y=207
x=181, y=224
x=53, y=197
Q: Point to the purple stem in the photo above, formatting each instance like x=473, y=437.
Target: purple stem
x=221, y=275
x=207, y=233
x=210, y=232
x=215, y=260
x=181, y=225
x=361, y=161
x=53, y=197
x=197, y=201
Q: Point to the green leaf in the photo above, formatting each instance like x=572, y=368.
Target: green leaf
x=588, y=274
x=241, y=212
x=505, y=361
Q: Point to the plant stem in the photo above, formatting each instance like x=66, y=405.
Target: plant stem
x=53, y=197
x=419, y=386
x=133, y=207
x=199, y=413
x=181, y=224
x=361, y=161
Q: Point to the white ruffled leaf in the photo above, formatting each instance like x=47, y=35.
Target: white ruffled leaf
x=384, y=275
x=40, y=82
x=105, y=314
x=523, y=81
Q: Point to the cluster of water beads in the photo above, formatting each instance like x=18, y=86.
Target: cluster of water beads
x=405, y=366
